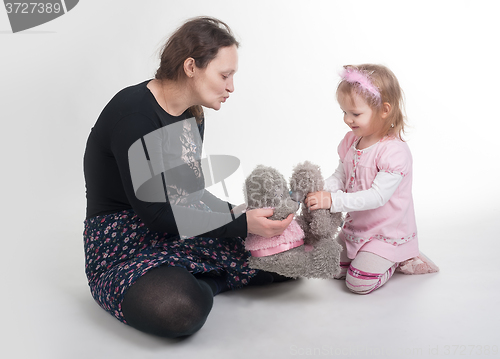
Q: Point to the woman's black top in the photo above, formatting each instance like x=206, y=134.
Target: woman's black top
x=134, y=118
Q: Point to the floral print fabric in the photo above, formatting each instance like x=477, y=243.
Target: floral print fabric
x=119, y=249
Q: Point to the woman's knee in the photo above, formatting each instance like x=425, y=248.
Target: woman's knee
x=168, y=303
x=181, y=316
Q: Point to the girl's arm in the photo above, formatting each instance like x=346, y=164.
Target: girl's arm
x=337, y=180
x=382, y=189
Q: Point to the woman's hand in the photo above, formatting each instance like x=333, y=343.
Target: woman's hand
x=259, y=224
x=318, y=200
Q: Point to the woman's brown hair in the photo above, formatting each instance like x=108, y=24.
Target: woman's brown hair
x=199, y=38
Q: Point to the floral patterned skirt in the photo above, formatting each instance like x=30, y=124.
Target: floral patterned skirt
x=119, y=249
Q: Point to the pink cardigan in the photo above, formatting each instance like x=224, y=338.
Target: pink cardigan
x=389, y=230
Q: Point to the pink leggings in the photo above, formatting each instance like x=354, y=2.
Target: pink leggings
x=366, y=272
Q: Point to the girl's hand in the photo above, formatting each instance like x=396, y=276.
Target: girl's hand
x=318, y=200
x=258, y=223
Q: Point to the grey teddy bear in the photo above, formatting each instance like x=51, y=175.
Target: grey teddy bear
x=307, y=248
x=318, y=224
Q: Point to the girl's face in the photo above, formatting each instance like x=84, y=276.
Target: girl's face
x=360, y=118
x=214, y=83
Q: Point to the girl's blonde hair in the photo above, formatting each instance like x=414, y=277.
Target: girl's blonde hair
x=389, y=91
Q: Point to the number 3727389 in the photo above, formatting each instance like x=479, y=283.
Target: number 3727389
x=33, y=8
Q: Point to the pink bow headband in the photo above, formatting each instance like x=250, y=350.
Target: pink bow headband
x=353, y=75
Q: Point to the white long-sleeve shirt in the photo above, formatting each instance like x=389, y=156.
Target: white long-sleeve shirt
x=383, y=187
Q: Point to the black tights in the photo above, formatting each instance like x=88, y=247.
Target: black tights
x=171, y=302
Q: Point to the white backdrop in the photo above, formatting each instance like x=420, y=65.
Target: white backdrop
x=56, y=78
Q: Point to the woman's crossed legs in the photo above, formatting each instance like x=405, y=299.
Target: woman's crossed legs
x=171, y=302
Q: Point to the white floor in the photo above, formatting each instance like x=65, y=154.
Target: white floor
x=49, y=312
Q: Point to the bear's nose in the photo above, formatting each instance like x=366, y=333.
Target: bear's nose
x=297, y=196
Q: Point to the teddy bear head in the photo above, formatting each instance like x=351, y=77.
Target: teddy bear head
x=266, y=187
x=306, y=178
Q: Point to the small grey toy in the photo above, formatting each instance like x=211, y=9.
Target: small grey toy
x=321, y=227
x=286, y=254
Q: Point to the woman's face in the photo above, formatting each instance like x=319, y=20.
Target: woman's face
x=214, y=83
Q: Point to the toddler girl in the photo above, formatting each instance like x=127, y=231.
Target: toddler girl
x=373, y=181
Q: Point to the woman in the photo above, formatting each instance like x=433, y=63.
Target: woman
x=140, y=267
